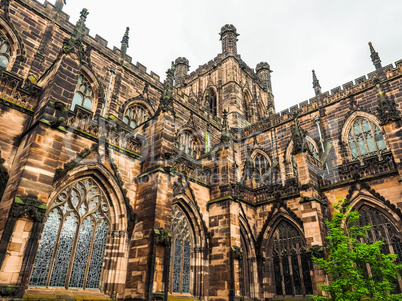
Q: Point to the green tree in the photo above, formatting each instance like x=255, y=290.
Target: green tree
x=357, y=270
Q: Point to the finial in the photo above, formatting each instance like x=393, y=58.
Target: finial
x=316, y=84
x=375, y=58
x=167, y=96
x=76, y=39
x=225, y=128
x=124, y=41
x=84, y=14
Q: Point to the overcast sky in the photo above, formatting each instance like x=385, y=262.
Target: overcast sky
x=293, y=36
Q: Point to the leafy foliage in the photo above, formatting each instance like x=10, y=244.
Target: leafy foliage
x=356, y=270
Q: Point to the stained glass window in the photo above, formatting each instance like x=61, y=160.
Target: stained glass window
x=291, y=264
x=83, y=95
x=188, y=144
x=5, y=52
x=261, y=170
x=365, y=139
x=381, y=229
x=74, y=238
x=135, y=115
x=180, y=272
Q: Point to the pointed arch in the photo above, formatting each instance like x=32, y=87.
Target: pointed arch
x=211, y=100
x=189, y=142
x=364, y=136
x=260, y=168
x=191, y=257
x=17, y=49
x=248, y=106
x=86, y=202
x=136, y=111
x=286, y=259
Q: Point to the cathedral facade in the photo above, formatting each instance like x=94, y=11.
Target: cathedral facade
x=115, y=185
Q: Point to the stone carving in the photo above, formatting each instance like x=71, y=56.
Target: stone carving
x=77, y=38
x=386, y=110
x=28, y=206
x=237, y=252
x=298, y=137
x=162, y=237
x=166, y=103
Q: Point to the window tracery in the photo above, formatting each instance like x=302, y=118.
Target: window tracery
x=135, y=115
x=83, y=95
x=261, y=170
x=71, y=250
x=365, y=139
x=188, y=143
x=180, y=277
x=291, y=263
x=5, y=52
x=381, y=229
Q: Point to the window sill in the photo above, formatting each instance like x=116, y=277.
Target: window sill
x=57, y=293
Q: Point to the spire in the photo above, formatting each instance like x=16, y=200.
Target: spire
x=124, y=42
x=167, y=96
x=375, y=58
x=76, y=39
x=316, y=84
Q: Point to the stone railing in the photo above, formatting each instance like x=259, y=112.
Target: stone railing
x=12, y=91
x=370, y=167
x=117, y=137
x=263, y=194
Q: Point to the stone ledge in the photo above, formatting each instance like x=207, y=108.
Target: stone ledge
x=64, y=294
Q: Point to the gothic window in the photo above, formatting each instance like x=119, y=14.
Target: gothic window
x=188, y=143
x=365, y=139
x=83, y=95
x=261, y=170
x=5, y=52
x=180, y=273
x=381, y=229
x=291, y=263
x=210, y=101
x=135, y=115
x=72, y=247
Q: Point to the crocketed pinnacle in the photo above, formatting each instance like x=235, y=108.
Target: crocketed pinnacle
x=316, y=84
x=124, y=41
x=375, y=58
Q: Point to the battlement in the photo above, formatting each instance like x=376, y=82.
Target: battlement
x=336, y=94
x=49, y=11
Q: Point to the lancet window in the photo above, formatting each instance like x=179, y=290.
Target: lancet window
x=5, y=52
x=72, y=246
x=365, y=139
x=188, y=143
x=83, y=95
x=291, y=263
x=262, y=174
x=245, y=276
x=135, y=115
x=180, y=272
x=210, y=101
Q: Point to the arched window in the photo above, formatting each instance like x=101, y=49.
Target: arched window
x=72, y=247
x=261, y=170
x=135, y=115
x=381, y=229
x=210, y=101
x=5, y=52
x=365, y=139
x=180, y=276
x=188, y=143
x=83, y=95
x=291, y=264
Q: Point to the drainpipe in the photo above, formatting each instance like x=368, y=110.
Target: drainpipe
x=112, y=71
x=317, y=120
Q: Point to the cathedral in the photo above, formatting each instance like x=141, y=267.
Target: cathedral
x=117, y=184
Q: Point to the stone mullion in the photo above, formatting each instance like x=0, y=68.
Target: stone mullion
x=56, y=246
x=91, y=246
